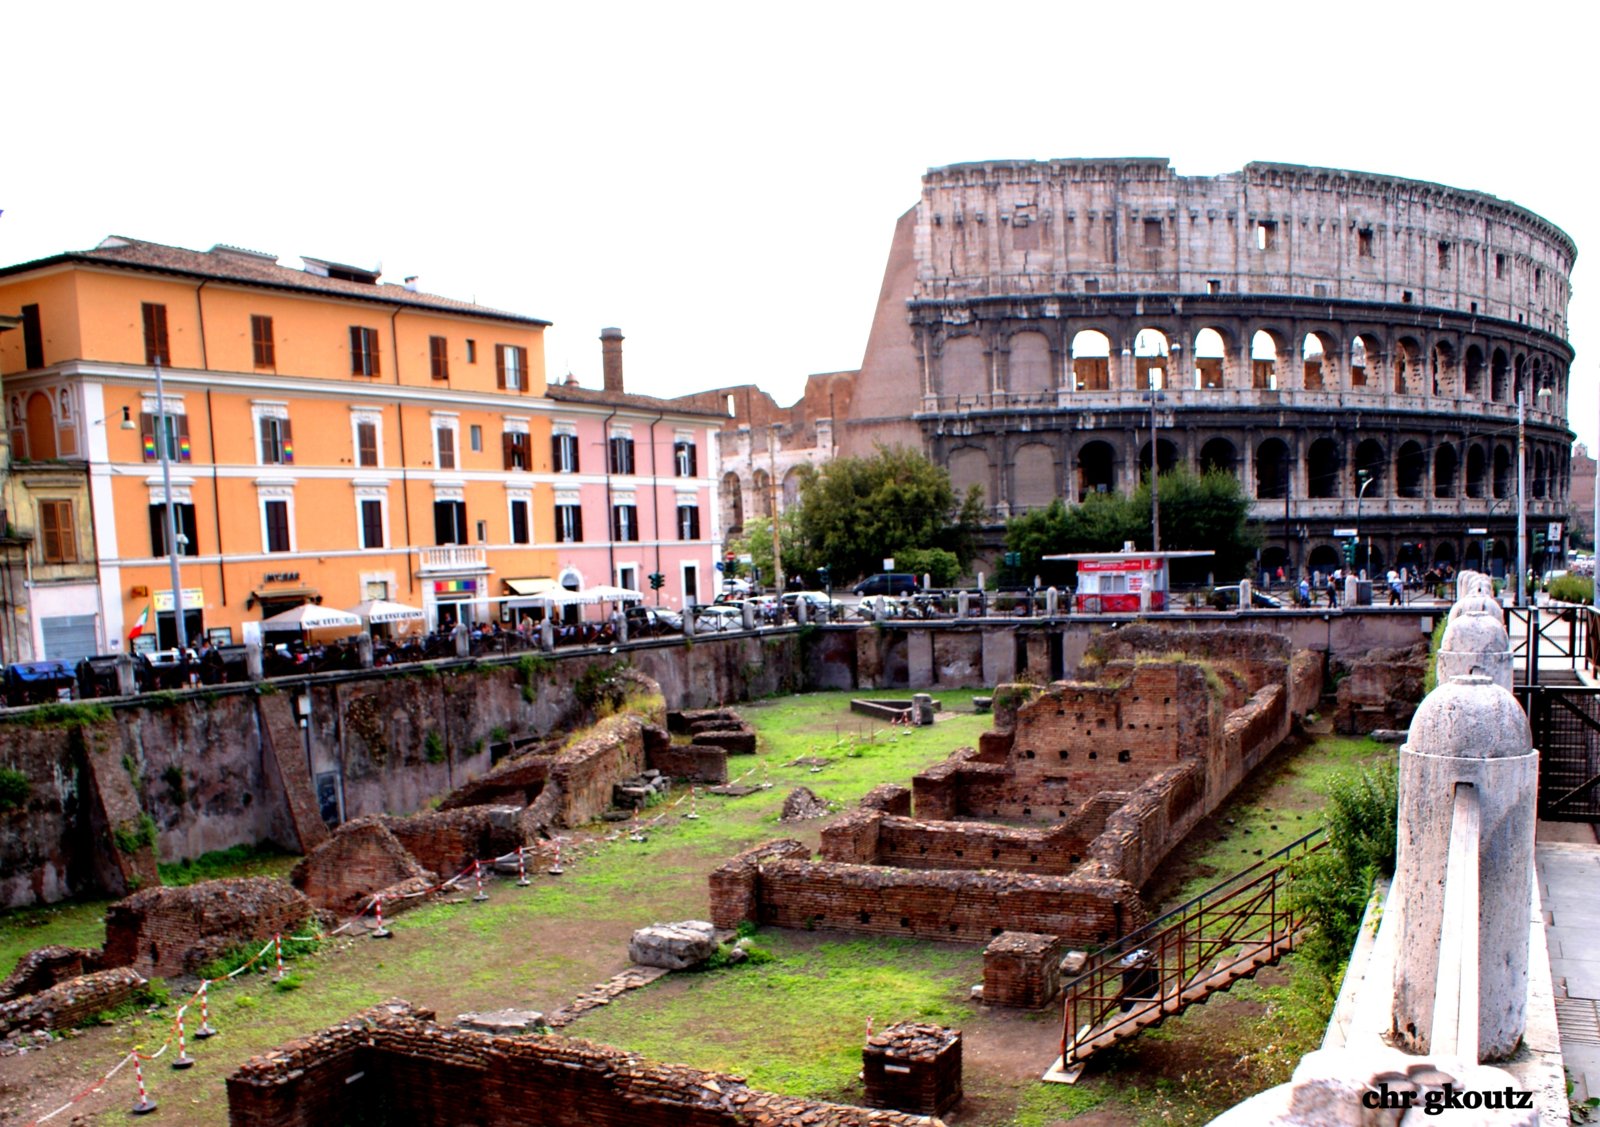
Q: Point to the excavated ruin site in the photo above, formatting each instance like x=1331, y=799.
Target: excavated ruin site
x=1034, y=845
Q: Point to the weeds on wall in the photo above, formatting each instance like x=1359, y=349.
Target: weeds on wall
x=135, y=834
x=61, y=715
x=14, y=788
x=530, y=669
x=433, y=747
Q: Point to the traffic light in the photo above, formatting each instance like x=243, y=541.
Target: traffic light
x=1013, y=559
x=1350, y=553
x=657, y=581
x=824, y=576
x=1538, y=541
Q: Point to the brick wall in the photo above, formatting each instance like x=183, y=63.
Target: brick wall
x=1140, y=833
x=171, y=931
x=43, y=968
x=695, y=762
x=448, y=841
x=1022, y=969
x=869, y=837
x=735, y=884
x=71, y=1002
x=891, y=798
x=392, y=1066
x=363, y=857
x=913, y=1067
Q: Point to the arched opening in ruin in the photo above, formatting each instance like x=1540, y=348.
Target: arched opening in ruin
x=1316, y=353
x=1363, y=358
x=1411, y=467
x=1442, y=369
x=1472, y=373
x=1473, y=557
x=1097, y=468
x=1150, y=359
x=1502, y=473
x=1273, y=557
x=1371, y=470
x=1272, y=469
x=1476, y=464
x=1322, y=468
x=1499, y=377
x=1029, y=369
x=41, y=428
x=1264, y=361
x=1219, y=455
x=761, y=494
x=791, y=486
x=732, y=497
x=1168, y=455
x=1444, y=553
x=1444, y=471
x=1499, y=555
x=1210, y=360
x=1033, y=476
x=1370, y=559
x=1411, y=556
x=1519, y=377
x=964, y=371
x=1538, y=474
x=1091, y=361
x=1407, y=367
x=969, y=466
x=1324, y=560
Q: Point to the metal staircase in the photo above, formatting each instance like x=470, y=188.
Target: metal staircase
x=1226, y=933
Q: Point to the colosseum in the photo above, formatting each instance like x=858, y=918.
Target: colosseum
x=1352, y=345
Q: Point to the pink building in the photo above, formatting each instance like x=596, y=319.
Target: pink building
x=634, y=482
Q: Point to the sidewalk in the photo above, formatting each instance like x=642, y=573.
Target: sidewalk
x=1567, y=860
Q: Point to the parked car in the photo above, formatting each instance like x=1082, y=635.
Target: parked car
x=880, y=606
x=646, y=621
x=887, y=583
x=717, y=618
x=1227, y=598
x=819, y=607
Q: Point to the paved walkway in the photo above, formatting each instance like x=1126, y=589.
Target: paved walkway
x=1567, y=857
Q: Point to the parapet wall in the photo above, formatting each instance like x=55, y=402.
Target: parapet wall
x=393, y=1066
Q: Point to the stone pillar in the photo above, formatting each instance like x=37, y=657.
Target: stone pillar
x=688, y=621
x=963, y=607
x=1476, y=642
x=747, y=613
x=621, y=621
x=1352, y=589
x=921, y=709
x=462, y=639
x=127, y=682
x=919, y=658
x=547, y=635
x=1245, y=587
x=253, y=668
x=1052, y=602
x=802, y=611
x=364, y=650
x=1468, y=735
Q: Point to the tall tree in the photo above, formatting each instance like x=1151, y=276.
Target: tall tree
x=858, y=511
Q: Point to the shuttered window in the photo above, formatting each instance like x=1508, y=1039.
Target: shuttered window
x=688, y=522
x=371, y=524
x=277, y=442
x=445, y=444
x=177, y=437
x=569, y=524
x=621, y=450
x=58, y=537
x=183, y=517
x=686, y=459
x=277, y=524
x=155, y=335
x=367, y=444
x=450, y=522
x=511, y=367
x=519, y=522
x=439, y=357
x=564, y=453
x=516, y=447
x=363, y=351
x=261, y=342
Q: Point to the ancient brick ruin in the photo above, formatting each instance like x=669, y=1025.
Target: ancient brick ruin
x=174, y=931
x=1116, y=771
x=1022, y=969
x=392, y=1065
x=913, y=1067
x=362, y=859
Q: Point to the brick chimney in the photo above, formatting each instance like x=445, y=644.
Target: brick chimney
x=611, y=357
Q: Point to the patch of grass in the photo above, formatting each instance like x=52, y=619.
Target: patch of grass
x=14, y=788
x=433, y=747
x=1043, y=1105
x=62, y=715
x=79, y=923
x=135, y=834
x=794, y=1025
x=263, y=859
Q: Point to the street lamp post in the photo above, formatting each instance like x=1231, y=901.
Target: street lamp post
x=1365, y=479
x=162, y=435
x=1154, y=395
x=1522, y=493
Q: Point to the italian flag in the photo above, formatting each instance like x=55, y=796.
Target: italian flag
x=138, y=627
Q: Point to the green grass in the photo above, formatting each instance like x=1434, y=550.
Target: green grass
x=794, y=1025
x=79, y=923
x=237, y=861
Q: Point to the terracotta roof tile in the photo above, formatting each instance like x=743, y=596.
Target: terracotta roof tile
x=251, y=268
x=561, y=392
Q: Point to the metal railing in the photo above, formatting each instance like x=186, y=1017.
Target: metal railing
x=1226, y=933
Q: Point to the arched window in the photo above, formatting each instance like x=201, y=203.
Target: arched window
x=1477, y=462
x=1502, y=473
x=1442, y=368
x=1272, y=469
x=41, y=428
x=1407, y=367
x=732, y=498
x=1322, y=468
x=1264, y=361
x=1410, y=469
x=1499, y=377
x=1097, y=468
x=1316, y=353
x=1210, y=360
x=1472, y=373
x=1219, y=456
x=1033, y=476
x=969, y=466
x=1150, y=359
x=1091, y=361
x=1371, y=470
x=1364, y=358
x=1444, y=471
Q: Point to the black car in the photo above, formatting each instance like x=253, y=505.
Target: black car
x=887, y=583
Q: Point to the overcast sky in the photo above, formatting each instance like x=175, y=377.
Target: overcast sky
x=721, y=180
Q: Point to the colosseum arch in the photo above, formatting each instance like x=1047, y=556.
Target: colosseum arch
x=1168, y=454
x=964, y=370
x=1030, y=370
x=1472, y=373
x=1499, y=377
x=41, y=428
x=1322, y=468
x=1407, y=367
x=1317, y=362
x=1151, y=359
x=1477, y=467
x=1091, y=361
x=791, y=486
x=1097, y=468
x=761, y=494
x=1519, y=376
x=1503, y=472
x=731, y=494
x=1219, y=455
x=1442, y=368
x=1410, y=470
x=1365, y=355
x=1371, y=465
x=1210, y=360
x=1272, y=469
x=1445, y=463
x=1264, y=374
x=1033, y=476
x=969, y=466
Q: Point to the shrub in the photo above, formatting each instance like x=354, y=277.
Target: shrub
x=433, y=747
x=1571, y=589
x=135, y=834
x=14, y=788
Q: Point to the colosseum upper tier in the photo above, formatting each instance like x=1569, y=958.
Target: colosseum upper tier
x=1352, y=345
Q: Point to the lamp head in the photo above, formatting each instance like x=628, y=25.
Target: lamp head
x=127, y=420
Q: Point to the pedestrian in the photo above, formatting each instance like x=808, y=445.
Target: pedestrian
x=1305, y=591
x=1396, y=591
x=1333, y=589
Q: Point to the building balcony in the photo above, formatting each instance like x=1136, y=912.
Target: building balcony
x=451, y=558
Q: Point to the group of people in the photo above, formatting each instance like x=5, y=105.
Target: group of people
x=1395, y=582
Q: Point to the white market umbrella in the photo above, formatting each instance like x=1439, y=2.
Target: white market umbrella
x=309, y=616
x=382, y=610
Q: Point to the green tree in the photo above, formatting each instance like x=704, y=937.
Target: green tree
x=939, y=564
x=756, y=540
x=857, y=511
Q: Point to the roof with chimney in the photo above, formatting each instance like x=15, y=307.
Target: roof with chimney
x=572, y=393
x=225, y=263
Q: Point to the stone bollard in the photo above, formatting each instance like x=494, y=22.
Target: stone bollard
x=621, y=621
x=1469, y=741
x=963, y=604
x=1475, y=642
x=364, y=650
x=747, y=614
x=1352, y=590
x=1477, y=602
x=127, y=680
x=802, y=611
x=921, y=709
x=688, y=620
x=253, y=667
x=462, y=638
x=1052, y=602
x=547, y=635
x=1244, y=594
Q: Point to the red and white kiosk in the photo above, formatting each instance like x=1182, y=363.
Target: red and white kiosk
x=1126, y=582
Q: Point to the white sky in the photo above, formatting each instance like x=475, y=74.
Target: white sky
x=721, y=180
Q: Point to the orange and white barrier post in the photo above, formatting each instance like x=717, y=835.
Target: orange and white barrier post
x=145, y=1105
x=694, y=803
x=556, y=869
x=869, y=1028
x=381, y=932
x=477, y=877
x=183, y=1059
x=205, y=1029
x=522, y=868
x=277, y=950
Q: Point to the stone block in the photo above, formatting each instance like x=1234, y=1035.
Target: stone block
x=678, y=946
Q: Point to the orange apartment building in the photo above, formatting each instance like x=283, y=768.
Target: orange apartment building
x=332, y=438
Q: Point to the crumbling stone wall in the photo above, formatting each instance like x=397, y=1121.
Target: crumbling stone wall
x=71, y=1002
x=1380, y=690
x=392, y=1065
x=447, y=841
x=869, y=837
x=578, y=786
x=172, y=931
x=45, y=967
x=1022, y=969
x=362, y=858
